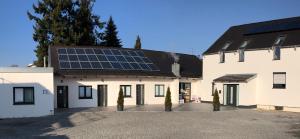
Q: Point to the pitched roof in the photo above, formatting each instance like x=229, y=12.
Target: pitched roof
x=190, y=65
x=260, y=35
x=235, y=78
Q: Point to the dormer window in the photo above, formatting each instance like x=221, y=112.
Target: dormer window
x=242, y=51
x=276, y=47
x=222, y=52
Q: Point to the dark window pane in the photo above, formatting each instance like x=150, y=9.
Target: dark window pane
x=80, y=51
x=71, y=51
x=73, y=57
x=96, y=65
x=63, y=58
x=144, y=67
x=89, y=51
x=102, y=58
x=120, y=58
x=152, y=67
x=85, y=65
x=106, y=65
x=126, y=66
x=132, y=53
x=64, y=65
x=98, y=51
x=140, y=53
x=116, y=52
x=116, y=65
x=111, y=58
x=28, y=95
x=138, y=59
x=129, y=59
x=135, y=66
x=146, y=60
x=75, y=65
x=92, y=57
x=107, y=52
x=124, y=52
x=83, y=58
x=62, y=51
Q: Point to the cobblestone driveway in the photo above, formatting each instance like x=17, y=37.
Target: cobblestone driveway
x=198, y=122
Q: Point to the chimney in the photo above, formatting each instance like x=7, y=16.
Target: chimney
x=175, y=65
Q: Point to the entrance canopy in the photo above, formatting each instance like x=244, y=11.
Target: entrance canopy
x=235, y=78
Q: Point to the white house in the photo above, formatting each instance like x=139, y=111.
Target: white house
x=26, y=92
x=92, y=76
x=255, y=65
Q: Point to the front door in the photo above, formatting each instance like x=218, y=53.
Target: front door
x=62, y=97
x=140, y=94
x=231, y=94
x=102, y=95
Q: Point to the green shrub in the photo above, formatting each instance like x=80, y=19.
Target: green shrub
x=120, y=101
x=168, y=101
x=216, y=101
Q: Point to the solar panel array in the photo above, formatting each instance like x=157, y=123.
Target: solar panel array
x=274, y=28
x=104, y=58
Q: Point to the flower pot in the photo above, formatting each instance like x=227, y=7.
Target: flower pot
x=216, y=108
x=120, y=108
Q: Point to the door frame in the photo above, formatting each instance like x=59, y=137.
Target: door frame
x=226, y=93
x=98, y=95
x=67, y=95
x=142, y=96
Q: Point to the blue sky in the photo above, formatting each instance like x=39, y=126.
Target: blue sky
x=185, y=26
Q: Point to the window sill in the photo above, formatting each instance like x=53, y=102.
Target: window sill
x=127, y=96
x=23, y=103
x=85, y=98
x=276, y=59
x=159, y=96
x=279, y=88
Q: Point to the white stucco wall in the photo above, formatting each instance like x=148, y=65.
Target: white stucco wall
x=39, y=78
x=261, y=63
x=113, y=85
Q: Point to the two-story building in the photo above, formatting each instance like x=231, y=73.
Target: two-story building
x=255, y=65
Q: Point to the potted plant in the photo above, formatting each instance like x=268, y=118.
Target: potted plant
x=120, y=102
x=168, y=101
x=216, y=101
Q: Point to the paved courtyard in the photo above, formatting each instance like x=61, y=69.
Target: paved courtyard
x=187, y=121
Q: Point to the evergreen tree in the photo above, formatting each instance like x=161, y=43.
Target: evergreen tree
x=110, y=36
x=120, y=101
x=168, y=101
x=216, y=101
x=138, y=44
x=64, y=22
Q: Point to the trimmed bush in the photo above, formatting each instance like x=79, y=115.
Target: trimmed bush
x=120, y=102
x=168, y=101
x=216, y=101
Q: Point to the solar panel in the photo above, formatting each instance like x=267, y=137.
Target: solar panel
x=274, y=28
x=100, y=58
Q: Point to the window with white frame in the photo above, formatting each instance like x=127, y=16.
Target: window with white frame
x=242, y=51
x=277, y=46
x=159, y=90
x=222, y=52
x=85, y=92
x=23, y=95
x=126, y=90
x=279, y=80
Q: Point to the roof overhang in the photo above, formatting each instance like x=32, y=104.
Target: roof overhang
x=236, y=78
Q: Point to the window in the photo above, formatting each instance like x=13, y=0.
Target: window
x=279, y=80
x=85, y=92
x=159, y=90
x=126, y=90
x=23, y=95
x=277, y=46
x=222, y=52
x=242, y=51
